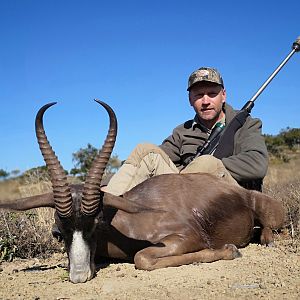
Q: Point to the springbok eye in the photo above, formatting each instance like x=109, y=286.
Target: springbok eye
x=56, y=233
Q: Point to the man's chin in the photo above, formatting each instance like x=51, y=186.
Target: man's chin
x=207, y=117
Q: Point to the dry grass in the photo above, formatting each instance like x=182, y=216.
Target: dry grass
x=283, y=173
x=28, y=234
x=9, y=189
x=283, y=183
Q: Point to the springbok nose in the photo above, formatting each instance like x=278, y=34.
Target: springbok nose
x=80, y=275
x=79, y=259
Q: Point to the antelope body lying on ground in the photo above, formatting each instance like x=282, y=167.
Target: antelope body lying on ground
x=168, y=220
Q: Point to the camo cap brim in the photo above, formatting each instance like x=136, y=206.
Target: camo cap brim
x=205, y=74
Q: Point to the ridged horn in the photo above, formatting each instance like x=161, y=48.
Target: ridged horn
x=91, y=191
x=61, y=190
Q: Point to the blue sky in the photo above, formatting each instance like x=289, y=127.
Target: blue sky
x=136, y=56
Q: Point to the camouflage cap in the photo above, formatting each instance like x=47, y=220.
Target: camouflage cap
x=205, y=74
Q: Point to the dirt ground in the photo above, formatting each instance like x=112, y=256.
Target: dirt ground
x=261, y=273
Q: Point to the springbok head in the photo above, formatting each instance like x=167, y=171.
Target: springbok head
x=78, y=209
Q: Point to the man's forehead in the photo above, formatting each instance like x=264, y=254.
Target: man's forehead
x=205, y=86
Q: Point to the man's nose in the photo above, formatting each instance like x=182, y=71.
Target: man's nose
x=205, y=99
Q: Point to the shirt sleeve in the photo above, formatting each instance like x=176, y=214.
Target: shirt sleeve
x=171, y=146
x=250, y=158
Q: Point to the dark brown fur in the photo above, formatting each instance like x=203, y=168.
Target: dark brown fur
x=186, y=213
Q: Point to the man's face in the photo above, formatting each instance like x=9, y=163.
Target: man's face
x=207, y=99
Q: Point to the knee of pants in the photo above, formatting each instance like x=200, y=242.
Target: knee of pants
x=204, y=163
x=140, y=151
x=209, y=161
x=212, y=165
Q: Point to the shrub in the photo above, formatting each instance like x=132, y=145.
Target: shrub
x=289, y=195
x=27, y=234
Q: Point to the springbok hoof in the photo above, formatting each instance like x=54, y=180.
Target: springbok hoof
x=233, y=251
x=271, y=245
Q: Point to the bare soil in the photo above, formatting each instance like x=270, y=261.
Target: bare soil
x=261, y=273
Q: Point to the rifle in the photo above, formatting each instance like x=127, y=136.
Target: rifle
x=221, y=141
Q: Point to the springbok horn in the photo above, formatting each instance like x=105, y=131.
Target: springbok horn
x=61, y=190
x=91, y=191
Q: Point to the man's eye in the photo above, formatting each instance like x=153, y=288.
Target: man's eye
x=212, y=95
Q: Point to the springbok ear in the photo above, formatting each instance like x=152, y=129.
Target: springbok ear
x=44, y=200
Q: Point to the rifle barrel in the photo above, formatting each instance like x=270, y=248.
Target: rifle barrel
x=295, y=48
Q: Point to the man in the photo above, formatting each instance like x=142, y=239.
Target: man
x=207, y=96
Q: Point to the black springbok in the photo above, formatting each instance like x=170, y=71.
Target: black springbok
x=168, y=220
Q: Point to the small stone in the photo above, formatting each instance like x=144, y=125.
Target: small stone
x=262, y=286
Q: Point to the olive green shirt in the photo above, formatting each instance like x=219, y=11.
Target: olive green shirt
x=250, y=157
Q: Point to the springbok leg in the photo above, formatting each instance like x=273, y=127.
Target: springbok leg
x=123, y=204
x=270, y=214
x=156, y=257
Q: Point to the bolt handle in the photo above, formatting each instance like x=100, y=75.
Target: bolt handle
x=296, y=44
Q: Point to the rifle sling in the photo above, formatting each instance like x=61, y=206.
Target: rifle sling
x=226, y=140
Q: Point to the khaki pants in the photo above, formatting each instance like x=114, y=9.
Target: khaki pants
x=148, y=160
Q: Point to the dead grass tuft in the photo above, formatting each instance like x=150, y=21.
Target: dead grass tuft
x=289, y=195
x=26, y=234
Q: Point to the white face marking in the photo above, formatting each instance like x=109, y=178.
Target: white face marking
x=79, y=258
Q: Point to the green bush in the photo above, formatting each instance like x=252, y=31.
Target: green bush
x=8, y=248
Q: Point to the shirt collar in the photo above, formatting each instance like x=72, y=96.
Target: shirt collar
x=197, y=123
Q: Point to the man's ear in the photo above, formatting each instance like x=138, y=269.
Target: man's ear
x=191, y=104
x=224, y=95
